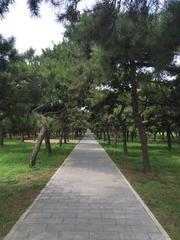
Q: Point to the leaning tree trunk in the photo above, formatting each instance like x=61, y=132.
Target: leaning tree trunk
x=140, y=125
x=32, y=161
x=47, y=142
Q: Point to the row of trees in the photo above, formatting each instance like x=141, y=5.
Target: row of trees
x=138, y=41
x=114, y=72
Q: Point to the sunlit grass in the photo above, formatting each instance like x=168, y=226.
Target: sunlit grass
x=19, y=184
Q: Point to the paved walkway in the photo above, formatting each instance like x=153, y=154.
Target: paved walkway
x=88, y=199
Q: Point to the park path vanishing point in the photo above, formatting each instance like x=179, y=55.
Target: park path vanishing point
x=88, y=198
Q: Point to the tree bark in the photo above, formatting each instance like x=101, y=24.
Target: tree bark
x=127, y=134
x=163, y=138
x=60, y=138
x=132, y=136
x=100, y=135
x=22, y=137
x=104, y=136
x=1, y=136
x=32, y=161
x=140, y=125
x=155, y=134
x=108, y=137
x=169, y=137
x=65, y=139
x=124, y=130
x=115, y=137
x=47, y=142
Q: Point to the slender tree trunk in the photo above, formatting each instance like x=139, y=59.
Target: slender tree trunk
x=65, y=137
x=60, y=138
x=169, y=136
x=34, y=136
x=108, y=137
x=1, y=136
x=172, y=135
x=132, y=136
x=35, y=152
x=127, y=134
x=124, y=130
x=47, y=142
x=140, y=125
x=100, y=135
x=163, y=138
x=115, y=137
x=22, y=137
x=155, y=134
x=104, y=135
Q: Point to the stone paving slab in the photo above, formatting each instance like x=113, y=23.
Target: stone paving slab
x=88, y=199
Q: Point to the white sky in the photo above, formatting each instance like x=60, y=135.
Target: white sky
x=38, y=33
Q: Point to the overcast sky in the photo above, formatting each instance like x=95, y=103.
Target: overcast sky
x=33, y=32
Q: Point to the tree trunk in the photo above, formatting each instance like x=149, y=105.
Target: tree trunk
x=1, y=136
x=124, y=130
x=132, y=136
x=34, y=136
x=104, y=136
x=115, y=138
x=155, y=134
x=163, y=138
x=37, y=146
x=65, y=139
x=140, y=125
x=60, y=138
x=108, y=137
x=127, y=134
x=169, y=136
x=100, y=135
x=22, y=137
x=47, y=142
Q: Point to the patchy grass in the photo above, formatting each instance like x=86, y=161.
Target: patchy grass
x=160, y=189
x=19, y=184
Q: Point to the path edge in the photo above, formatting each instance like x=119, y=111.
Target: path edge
x=9, y=235
x=151, y=215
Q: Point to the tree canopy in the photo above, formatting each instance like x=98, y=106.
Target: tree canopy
x=114, y=73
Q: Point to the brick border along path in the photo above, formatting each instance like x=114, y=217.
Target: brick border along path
x=88, y=199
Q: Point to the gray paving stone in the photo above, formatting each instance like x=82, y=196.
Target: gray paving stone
x=74, y=235
x=88, y=199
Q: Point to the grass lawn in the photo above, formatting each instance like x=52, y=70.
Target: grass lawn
x=19, y=184
x=160, y=189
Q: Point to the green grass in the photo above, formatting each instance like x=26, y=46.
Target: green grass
x=19, y=184
x=160, y=188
